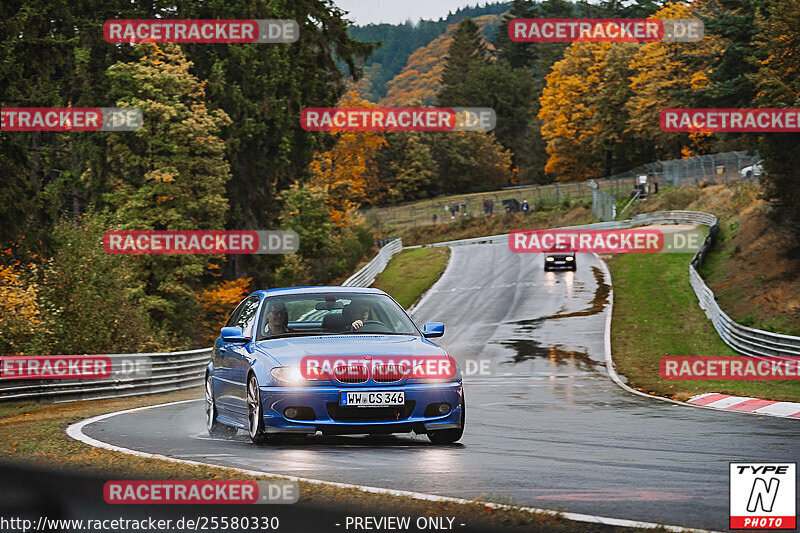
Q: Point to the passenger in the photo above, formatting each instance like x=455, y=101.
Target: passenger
x=277, y=319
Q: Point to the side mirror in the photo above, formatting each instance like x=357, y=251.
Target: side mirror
x=433, y=329
x=233, y=334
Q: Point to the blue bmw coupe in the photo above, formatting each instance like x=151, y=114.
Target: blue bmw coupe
x=339, y=360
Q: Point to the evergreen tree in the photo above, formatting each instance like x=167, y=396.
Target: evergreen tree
x=732, y=22
x=416, y=172
x=470, y=161
x=516, y=55
x=466, y=55
x=779, y=86
x=172, y=172
x=618, y=8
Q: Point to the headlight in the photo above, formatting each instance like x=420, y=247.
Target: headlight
x=290, y=375
x=569, y=258
x=549, y=259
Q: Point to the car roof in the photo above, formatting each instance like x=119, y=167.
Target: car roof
x=316, y=290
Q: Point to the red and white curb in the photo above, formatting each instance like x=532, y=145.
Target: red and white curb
x=746, y=405
x=711, y=400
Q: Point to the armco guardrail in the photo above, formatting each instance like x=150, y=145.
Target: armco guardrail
x=365, y=276
x=161, y=372
x=164, y=372
x=744, y=340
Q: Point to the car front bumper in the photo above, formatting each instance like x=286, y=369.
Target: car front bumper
x=553, y=265
x=329, y=418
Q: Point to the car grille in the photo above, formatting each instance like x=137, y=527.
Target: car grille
x=350, y=374
x=357, y=374
x=389, y=374
x=369, y=414
x=387, y=379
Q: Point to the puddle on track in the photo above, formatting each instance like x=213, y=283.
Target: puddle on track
x=527, y=348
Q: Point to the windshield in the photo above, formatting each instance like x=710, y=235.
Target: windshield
x=333, y=314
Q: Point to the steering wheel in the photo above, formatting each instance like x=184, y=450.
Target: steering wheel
x=377, y=327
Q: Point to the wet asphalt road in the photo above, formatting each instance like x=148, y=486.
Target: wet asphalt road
x=546, y=427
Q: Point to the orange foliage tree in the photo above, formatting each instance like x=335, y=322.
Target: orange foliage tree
x=20, y=315
x=567, y=114
x=663, y=73
x=346, y=171
x=217, y=304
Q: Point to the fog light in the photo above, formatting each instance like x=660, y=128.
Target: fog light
x=444, y=408
x=291, y=412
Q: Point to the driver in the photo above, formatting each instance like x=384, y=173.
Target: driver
x=277, y=318
x=359, y=312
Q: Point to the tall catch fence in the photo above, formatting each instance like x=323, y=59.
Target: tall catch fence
x=715, y=168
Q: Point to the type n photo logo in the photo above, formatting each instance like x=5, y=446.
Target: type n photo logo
x=763, y=495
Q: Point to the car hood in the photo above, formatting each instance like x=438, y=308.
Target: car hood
x=290, y=351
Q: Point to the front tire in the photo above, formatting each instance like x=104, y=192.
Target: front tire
x=255, y=418
x=215, y=427
x=449, y=436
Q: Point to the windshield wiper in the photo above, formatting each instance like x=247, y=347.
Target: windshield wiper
x=373, y=333
x=292, y=334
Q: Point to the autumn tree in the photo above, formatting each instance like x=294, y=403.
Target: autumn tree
x=171, y=172
x=20, y=313
x=347, y=170
x=667, y=75
x=216, y=305
x=584, y=109
x=567, y=115
x=617, y=148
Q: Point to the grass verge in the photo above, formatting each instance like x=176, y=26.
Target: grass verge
x=656, y=315
x=33, y=434
x=412, y=272
x=755, y=282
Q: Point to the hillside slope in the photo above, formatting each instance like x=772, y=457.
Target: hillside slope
x=420, y=79
x=755, y=283
x=399, y=41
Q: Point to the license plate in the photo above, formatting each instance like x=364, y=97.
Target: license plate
x=372, y=398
